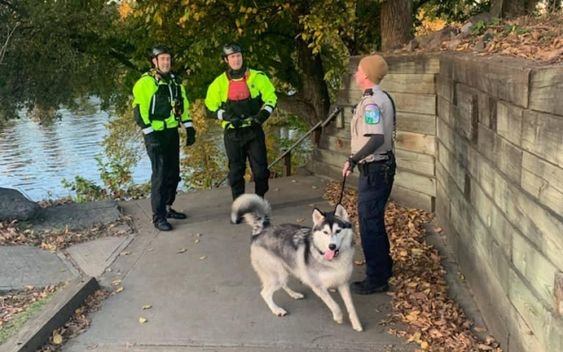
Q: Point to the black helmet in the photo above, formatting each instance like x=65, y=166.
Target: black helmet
x=158, y=50
x=231, y=48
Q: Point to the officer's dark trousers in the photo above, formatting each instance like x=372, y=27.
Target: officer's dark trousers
x=243, y=143
x=374, y=187
x=164, y=152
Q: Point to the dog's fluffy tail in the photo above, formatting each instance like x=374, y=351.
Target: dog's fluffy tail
x=253, y=209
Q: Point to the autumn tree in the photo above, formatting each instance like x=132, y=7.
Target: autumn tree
x=396, y=23
x=512, y=8
x=50, y=57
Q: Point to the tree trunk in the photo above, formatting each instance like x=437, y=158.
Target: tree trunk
x=396, y=23
x=312, y=102
x=512, y=8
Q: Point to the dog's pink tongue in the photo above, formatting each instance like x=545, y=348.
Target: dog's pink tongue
x=329, y=254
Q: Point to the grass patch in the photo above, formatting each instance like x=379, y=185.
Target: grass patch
x=14, y=325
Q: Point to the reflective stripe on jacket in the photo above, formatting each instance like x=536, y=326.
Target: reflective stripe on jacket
x=259, y=86
x=155, y=99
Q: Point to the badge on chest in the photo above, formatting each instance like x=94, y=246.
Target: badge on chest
x=372, y=114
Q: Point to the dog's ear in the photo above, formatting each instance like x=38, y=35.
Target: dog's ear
x=318, y=216
x=341, y=213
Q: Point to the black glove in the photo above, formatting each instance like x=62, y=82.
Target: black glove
x=190, y=135
x=228, y=115
x=352, y=163
x=236, y=122
x=260, y=117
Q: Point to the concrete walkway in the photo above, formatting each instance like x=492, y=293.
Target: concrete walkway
x=204, y=294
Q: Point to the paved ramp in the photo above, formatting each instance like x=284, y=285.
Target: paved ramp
x=205, y=295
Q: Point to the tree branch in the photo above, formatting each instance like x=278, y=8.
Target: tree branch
x=4, y=47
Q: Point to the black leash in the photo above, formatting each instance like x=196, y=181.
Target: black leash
x=341, y=192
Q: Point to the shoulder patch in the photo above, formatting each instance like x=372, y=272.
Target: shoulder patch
x=372, y=114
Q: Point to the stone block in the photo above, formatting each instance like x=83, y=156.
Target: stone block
x=409, y=83
x=555, y=334
x=415, y=103
x=509, y=122
x=411, y=198
x=544, y=181
x=537, y=270
x=546, y=85
x=416, y=142
x=487, y=110
x=416, y=182
x=15, y=206
x=452, y=166
x=522, y=338
x=508, y=158
x=491, y=298
x=530, y=307
x=541, y=135
x=445, y=88
x=420, y=163
x=417, y=123
x=445, y=110
x=501, y=77
x=466, y=112
x=502, y=230
x=504, y=155
x=541, y=227
x=558, y=289
x=442, y=204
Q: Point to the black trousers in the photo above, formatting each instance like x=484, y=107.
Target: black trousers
x=374, y=187
x=164, y=152
x=243, y=143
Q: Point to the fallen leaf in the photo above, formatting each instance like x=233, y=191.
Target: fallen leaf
x=143, y=320
x=119, y=289
x=182, y=250
x=124, y=253
x=147, y=306
x=203, y=257
x=196, y=241
x=57, y=339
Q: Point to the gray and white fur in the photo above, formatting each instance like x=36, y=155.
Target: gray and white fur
x=321, y=257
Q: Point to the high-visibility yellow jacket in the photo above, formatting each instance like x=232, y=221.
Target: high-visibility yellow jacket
x=262, y=96
x=159, y=104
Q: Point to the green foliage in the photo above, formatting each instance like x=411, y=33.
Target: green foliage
x=58, y=52
x=204, y=162
x=479, y=28
x=451, y=10
x=117, y=183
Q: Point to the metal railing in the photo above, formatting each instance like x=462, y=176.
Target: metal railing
x=286, y=154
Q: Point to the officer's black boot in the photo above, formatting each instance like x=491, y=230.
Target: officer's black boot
x=173, y=214
x=368, y=287
x=162, y=224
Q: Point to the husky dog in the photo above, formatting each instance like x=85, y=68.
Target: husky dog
x=320, y=257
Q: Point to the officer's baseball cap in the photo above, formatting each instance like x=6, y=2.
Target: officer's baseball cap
x=375, y=67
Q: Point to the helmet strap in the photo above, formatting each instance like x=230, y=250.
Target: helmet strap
x=236, y=74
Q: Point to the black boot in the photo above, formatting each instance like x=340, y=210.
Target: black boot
x=173, y=214
x=162, y=224
x=367, y=287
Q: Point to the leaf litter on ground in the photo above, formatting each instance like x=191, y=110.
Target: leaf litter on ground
x=420, y=299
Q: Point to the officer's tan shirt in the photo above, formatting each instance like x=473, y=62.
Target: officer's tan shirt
x=373, y=115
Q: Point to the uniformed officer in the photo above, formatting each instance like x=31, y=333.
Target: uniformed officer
x=160, y=107
x=242, y=99
x=372, y=129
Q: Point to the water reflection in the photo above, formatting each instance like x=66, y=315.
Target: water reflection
x=34, y=158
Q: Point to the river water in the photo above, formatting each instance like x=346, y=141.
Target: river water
x=35, y=158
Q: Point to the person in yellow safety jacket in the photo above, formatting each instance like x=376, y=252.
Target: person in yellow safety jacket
x=160, y=107
x=242, y=99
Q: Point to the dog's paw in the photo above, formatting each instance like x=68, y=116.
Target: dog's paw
x=338, y=318
x=280, y=312
x=357, y=327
